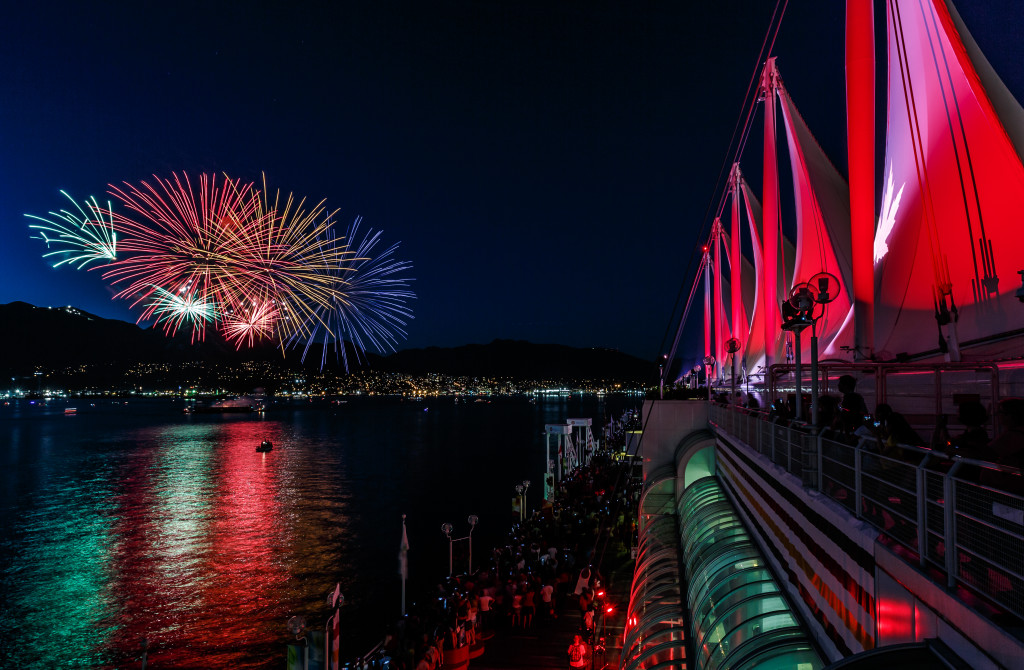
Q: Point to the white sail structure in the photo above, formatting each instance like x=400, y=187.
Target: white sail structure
x=822, y=201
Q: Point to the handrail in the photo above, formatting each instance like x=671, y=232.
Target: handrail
x=945, y=516
x=881, y=373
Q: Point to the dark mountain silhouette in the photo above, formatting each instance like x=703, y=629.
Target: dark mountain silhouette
x=59, y=337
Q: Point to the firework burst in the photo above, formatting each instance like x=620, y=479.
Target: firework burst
x=175, y=236
x=248, y=326
x=79, y=238
x=371, y=309
x=175, y=309
x=226, y=254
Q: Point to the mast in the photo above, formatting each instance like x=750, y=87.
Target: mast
x=860, y=134
x=720, y=326
x=735, y=261
x=707, y=316
x=770, y=233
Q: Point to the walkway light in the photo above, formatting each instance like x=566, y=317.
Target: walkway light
x=447, y=529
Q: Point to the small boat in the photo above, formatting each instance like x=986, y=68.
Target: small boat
x=265, y=446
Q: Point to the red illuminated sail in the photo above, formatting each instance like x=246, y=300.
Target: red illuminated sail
x=754, y=350
x=947, y=255
x=738, y=309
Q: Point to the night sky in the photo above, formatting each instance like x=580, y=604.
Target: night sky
x=547, y=166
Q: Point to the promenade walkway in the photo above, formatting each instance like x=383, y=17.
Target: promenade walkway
x=545, y=644
x=581, y=542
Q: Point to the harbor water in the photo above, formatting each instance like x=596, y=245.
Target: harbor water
x=131, y=520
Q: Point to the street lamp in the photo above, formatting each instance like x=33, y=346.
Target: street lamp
x=521, y=490
x=661, y=376
x=732, y=345
x=797, y=315
x=709, y=363
x=472, y=519
x=824, y=289
x=447, y=528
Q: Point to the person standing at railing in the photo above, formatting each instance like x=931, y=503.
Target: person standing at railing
x=852, y=403
x=851, y=413
x=894, y=432
x=973, y=441
x=1008, y=448
x=779, y=412
x=894, y=428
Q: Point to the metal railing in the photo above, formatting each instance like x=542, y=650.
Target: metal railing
x=925, y=391
x=954, y=517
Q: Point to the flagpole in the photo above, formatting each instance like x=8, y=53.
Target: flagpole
x=403, y=561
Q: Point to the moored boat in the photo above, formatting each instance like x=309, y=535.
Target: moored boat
x=239, y=405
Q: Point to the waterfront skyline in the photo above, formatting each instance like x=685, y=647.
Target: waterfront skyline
x=546, y=168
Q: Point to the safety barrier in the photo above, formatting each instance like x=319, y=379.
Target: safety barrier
x=956, y=517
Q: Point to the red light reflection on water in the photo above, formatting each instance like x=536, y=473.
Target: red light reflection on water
x=246, y=537
x=195, y=564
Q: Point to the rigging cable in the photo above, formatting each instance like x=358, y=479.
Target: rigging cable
x=766, y=47
x=978, y=288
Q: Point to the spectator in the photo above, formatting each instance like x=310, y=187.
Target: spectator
x=583, y=581
x=828, y=407
x=517, y=609
x=579, y=653
x=485, y=603
x=1008, y=447
x=589, y=623
x=547, y=598
x=779, y=412
x=973, y=442
x=894, y=429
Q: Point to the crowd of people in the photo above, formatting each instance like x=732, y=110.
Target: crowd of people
x=549, y=564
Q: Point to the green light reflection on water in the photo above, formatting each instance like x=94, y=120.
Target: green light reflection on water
x=184, y=486
x=65, y=614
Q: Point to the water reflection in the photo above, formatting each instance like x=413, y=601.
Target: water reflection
x=62, y=609
x=132, y=521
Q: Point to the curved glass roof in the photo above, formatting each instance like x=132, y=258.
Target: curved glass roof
x=655, y=630
x=738, y=616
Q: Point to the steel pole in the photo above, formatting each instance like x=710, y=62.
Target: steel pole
x=799, y=371
x=732, y=384
x=814, y=375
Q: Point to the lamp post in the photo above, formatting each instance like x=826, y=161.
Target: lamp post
x=709, y=363
x=447, y=528
x=824, y=289
x=797, y=314
x=732, y=345
x=521, y=490
x=472, y=519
